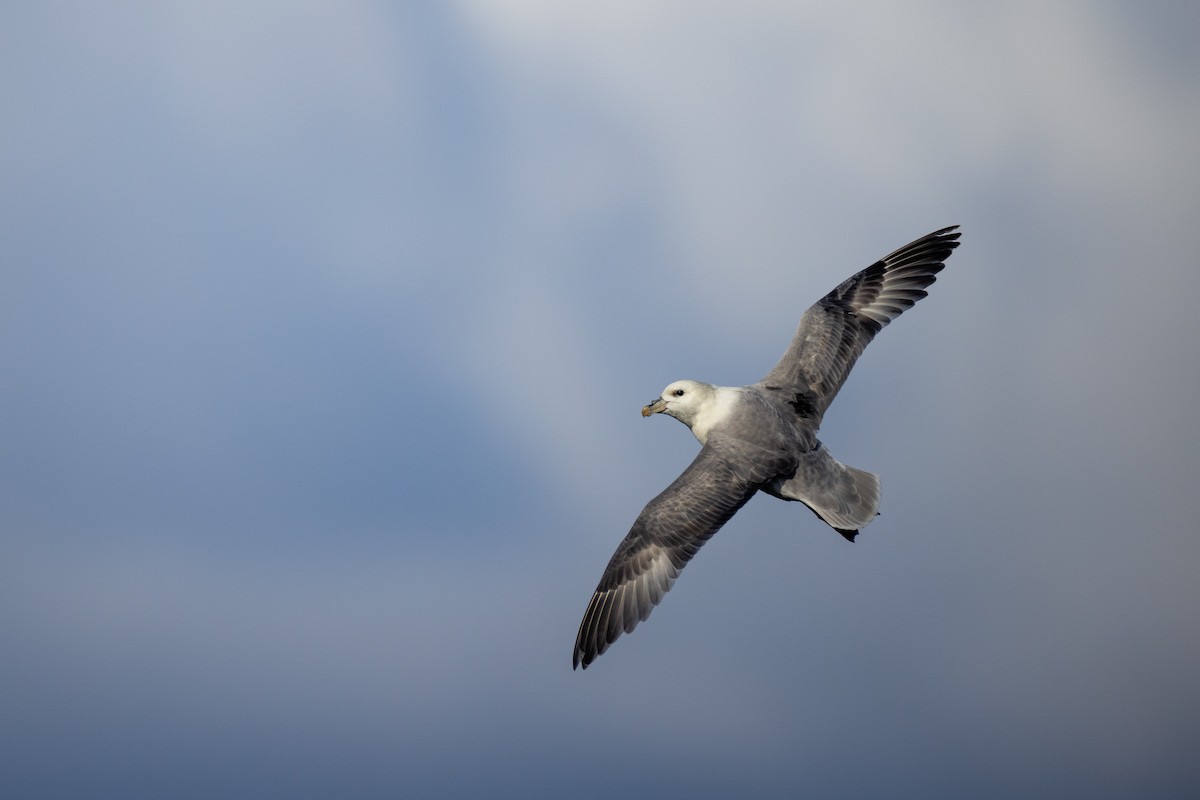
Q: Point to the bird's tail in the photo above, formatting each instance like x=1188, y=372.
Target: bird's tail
x=844, y=497
x=857, y=506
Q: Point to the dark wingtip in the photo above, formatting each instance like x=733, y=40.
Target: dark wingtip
x=581, y=657
x=849, y=534
x=948, y=236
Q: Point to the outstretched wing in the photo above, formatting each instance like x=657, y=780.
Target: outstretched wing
x=835, y=330
x=668, y=532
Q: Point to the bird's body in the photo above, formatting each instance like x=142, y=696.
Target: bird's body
x=761, y=437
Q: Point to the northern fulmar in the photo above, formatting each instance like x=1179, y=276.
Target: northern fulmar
x=761, y=437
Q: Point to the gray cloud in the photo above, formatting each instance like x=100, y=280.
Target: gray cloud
x=324, y=334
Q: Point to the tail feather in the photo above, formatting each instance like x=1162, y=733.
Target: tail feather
x=862, y=504
x=847, y=499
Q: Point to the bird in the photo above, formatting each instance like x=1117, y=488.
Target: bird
x=761, y=438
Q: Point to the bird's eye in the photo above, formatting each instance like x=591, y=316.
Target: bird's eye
x=678, y=392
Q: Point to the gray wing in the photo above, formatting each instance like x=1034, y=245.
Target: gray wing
x=668, y=532
x=835, y=330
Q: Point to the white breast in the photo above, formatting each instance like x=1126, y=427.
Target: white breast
x=715, y=410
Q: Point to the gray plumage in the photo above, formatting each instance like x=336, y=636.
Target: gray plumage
x=761, y=437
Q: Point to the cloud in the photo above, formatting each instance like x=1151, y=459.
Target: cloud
x=325, y=335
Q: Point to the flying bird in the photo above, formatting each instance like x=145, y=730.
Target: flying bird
x=761, y=437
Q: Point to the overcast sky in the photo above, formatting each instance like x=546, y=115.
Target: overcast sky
x=324, y=330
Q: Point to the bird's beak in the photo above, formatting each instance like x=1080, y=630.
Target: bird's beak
x=657, y=407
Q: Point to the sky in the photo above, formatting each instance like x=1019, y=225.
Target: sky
x=324, y=330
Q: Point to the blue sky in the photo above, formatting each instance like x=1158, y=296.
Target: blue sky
x=324, y=331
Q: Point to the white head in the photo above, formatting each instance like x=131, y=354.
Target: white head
x=683, y=400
